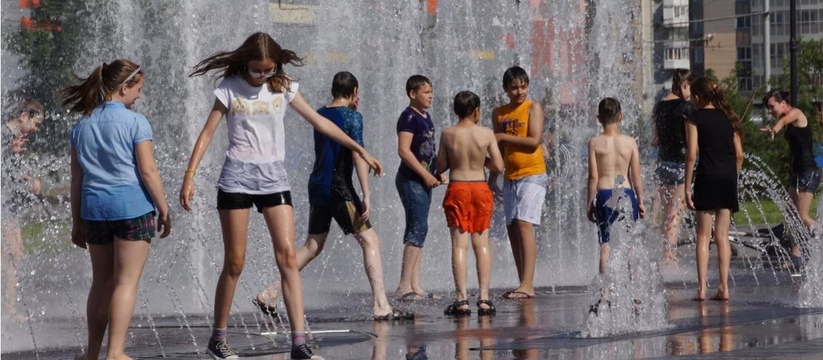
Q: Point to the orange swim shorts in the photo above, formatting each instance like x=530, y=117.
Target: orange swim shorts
x=468, y=205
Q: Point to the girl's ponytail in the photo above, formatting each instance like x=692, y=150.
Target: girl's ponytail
x=721, y=103
x=104, y=80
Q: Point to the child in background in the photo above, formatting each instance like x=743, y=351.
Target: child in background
x=716, y=130
x=415, y=180
x=115, y=187
x=805, y=174
x=253, y=97
x=518, y=127
x=464, y=150
x=614, y=170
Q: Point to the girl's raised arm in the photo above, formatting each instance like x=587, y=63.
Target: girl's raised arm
x=218, y=110
x=328, y=128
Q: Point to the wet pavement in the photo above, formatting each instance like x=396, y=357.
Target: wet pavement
x=761, y=321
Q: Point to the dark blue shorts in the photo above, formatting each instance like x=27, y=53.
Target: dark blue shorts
x=416, y=199
x=670, y=173
x=608, y=210
x=806, y=180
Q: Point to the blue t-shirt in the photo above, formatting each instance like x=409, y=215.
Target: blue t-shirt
x=422, y=146
x=331, y=179
x=105, y=143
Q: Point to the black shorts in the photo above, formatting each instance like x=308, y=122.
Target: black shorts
x=234, y=201
x=345, y=213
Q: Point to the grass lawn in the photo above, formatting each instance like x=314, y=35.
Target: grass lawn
x=771, y=212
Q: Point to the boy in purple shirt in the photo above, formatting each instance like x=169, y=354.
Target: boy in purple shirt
x=415, y=179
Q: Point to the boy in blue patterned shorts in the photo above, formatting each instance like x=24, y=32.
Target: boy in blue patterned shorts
x=614, y=174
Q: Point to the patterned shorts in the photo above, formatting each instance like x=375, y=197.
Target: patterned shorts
x=140, y=228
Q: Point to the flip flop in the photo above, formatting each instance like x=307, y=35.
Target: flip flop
x=516, y=295
x=395, y=314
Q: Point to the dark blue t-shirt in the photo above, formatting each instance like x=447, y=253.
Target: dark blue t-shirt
x=422, y=145
x=331, y=179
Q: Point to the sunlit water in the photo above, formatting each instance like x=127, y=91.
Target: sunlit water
x=575, y=57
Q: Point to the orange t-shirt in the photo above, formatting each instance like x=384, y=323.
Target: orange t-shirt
x=520, y=162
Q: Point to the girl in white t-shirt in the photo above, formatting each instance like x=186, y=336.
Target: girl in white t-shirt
x=253, y=97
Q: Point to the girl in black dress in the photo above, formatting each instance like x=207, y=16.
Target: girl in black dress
x=716, y=130
x=805, y=175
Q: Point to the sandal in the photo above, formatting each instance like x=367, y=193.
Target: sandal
x=266, y=309
x=455, y=310
x=395, y=315
x=490, y=311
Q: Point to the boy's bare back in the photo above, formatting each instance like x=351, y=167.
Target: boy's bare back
x=466, y=146
x=613, y=155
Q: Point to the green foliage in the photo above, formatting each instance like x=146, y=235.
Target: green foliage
x=47, y=53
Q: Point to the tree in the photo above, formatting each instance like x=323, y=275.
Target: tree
x=50, y=43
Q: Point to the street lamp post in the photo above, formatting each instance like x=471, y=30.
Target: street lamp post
x=793, y=48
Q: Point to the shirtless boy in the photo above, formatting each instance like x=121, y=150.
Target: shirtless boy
x=464, y=150
x=614, y=170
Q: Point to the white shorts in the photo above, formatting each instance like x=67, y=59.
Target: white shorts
x=523, y=198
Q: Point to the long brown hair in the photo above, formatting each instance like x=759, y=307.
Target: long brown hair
x=680, y=77
x=258, y=46
x=705, y=91
x=98, y=87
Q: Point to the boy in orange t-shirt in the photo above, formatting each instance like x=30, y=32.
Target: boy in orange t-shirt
x=518, y=127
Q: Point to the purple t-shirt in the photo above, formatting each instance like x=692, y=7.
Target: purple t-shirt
x=422, y=145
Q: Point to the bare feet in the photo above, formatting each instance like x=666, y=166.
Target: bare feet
x=721, y=296
x=701, y=295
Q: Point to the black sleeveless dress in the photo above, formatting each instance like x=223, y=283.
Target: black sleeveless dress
x=715, y=180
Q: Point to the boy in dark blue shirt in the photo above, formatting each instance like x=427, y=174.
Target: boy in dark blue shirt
x=332, y=196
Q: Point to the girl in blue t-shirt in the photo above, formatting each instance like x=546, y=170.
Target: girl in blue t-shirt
x=253, y=96
x=115, y=187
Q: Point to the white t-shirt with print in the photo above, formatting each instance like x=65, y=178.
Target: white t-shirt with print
x=257, y=142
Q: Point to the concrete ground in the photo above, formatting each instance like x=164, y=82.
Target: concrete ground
x=760, y=321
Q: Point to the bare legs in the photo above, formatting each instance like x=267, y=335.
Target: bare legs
x=410, y=271
x=803, y=201
x=372, y=263
x=234, y=224
x=604, y=256
x=280, y=222
x=673, y=207
x=721, y=238
x=524, y=249
x=116, y=271
x=480, y=245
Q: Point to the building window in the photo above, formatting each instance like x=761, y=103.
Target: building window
x=697, y=56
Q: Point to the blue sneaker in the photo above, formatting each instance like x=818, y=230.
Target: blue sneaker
x=220, y=350
x=303, y=352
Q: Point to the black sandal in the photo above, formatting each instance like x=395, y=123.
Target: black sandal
x=454, y=309
x=490, y=311
x=266, y=309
